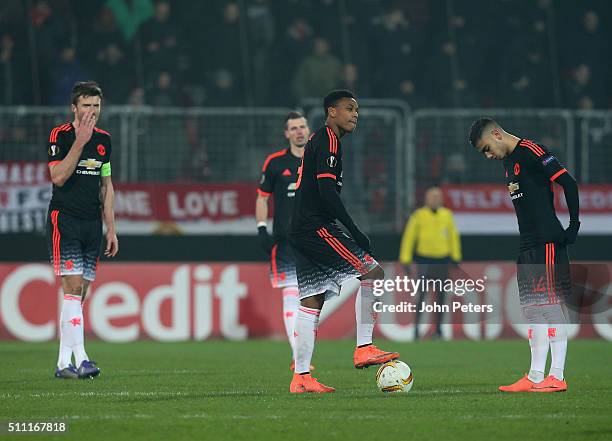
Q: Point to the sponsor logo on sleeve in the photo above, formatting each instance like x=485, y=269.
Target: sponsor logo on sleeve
x=548, y=160
x=332, y=161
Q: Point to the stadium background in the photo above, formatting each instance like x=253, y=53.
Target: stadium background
x=195, y=95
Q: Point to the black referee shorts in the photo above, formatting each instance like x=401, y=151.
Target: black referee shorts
x=543, y=274
x=74, y=244
x=326, y=258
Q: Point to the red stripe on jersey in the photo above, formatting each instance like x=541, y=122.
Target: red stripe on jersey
x=101, y=131
x=536, y=149
x=56, y=130
x=56, y=243
x=273, y=263
x=326, y=175
x=271, y=157
x=556, y=175
x=53, y=163
x=263, y=193
x=333, y=142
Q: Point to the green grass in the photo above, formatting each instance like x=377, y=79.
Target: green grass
x=239, y=391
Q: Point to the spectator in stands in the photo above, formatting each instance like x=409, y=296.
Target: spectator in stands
x=113, y=69
x=318, y=73
x=160, y=40
x=67, y=70
x=589, y=71
x=223, y=91
x=290, y=50
x=163, y=92
x=13, y=71
x=430, y=240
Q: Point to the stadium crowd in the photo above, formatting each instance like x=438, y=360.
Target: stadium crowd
x=529, y=53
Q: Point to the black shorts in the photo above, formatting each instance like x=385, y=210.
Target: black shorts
x=282, y=266
x=543, y=275
x=327, y=258
x=74, y=244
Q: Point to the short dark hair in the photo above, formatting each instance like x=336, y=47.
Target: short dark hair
x=334, y=96
x=293, y=115
x=85, y=88
x=478, y=127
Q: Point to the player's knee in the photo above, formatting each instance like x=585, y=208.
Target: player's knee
x=313, y=302
x=376, y=274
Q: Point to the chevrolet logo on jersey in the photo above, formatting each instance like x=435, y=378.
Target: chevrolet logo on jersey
x=513, y=186
x=90, y=164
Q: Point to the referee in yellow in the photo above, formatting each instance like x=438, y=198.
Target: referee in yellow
x=431, y=240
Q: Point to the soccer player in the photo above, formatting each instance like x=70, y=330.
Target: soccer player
x=79, y=162
x=325, y=256
x=543, y=262
x=278, y=178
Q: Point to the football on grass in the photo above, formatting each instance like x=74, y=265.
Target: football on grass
x=394, y=376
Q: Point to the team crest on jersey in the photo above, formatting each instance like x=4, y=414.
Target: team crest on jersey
x=513, y=186
x=517, y=169
x=101, y=150
x=332, y=161
x=53, y=150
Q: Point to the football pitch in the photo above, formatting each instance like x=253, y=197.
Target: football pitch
x=219, y=390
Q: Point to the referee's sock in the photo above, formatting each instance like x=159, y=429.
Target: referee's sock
x=365, y=316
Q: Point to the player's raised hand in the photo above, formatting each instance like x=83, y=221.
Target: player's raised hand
x=86, y=125
x=112, y=244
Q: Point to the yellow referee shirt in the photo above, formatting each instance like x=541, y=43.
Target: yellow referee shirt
x=434, y=234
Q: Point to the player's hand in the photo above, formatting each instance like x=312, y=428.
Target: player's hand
x=85, y=129
x=362, y=240
x=112, y=244
x=265, y=240
x=571, y=232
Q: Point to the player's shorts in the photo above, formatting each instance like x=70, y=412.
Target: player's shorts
x=282, y=266
x=326, y=258
x=74, y=244
x=543, y=275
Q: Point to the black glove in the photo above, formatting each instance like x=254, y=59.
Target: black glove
x=362, y=240
x=265, y=240
x=571, y=232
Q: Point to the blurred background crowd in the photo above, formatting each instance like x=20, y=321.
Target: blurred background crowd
x=429, y=53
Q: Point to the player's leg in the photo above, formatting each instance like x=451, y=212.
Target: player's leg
x=529, y=277
x=366, y=353
x=555, y=317
x=315, y=285
x=305, y=337
x=65, y=256
x=282, y=275
x=91, y=235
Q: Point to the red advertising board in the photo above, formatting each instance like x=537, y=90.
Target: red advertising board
x=191, y=301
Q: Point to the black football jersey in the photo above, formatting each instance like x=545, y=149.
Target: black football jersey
x=80, y=194
x=322, y=160
x=531, y=170
x=278, y=178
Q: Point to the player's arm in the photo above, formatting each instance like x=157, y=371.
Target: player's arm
x=570, y=189
x=62, y=170
x=409, y=240
x=326, y=162
x=543, y=160
x=266, y=186
x=107, y=198
x=454, y=239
